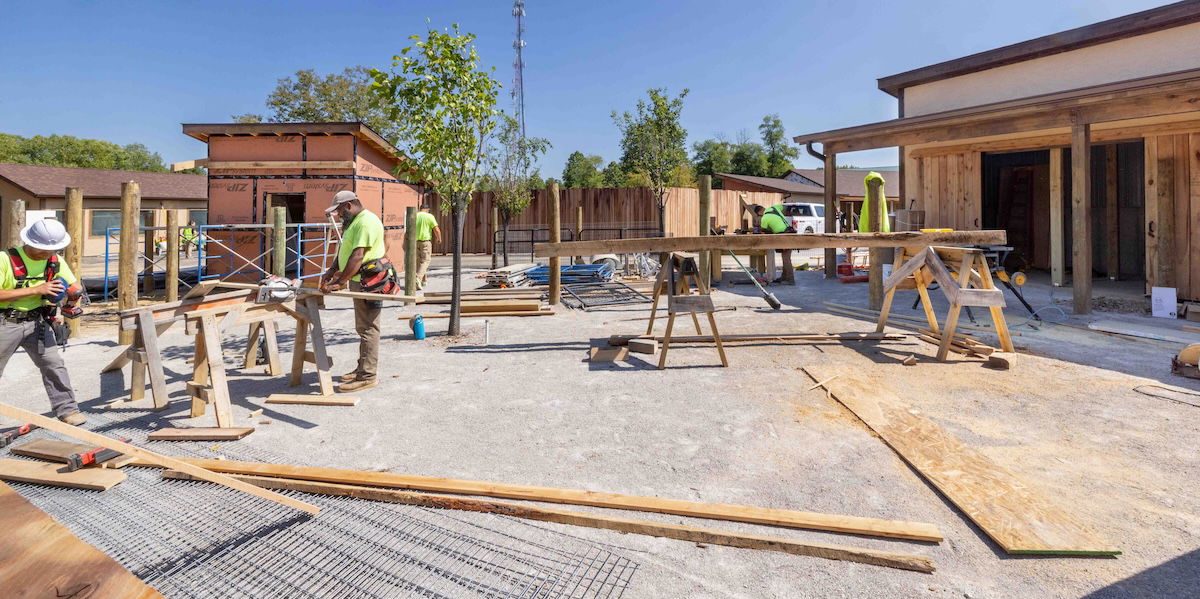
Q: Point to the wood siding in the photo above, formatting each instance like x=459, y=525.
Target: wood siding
x=948, y=188
x=1173, y=213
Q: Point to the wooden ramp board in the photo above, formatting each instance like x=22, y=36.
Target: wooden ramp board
x=313, y=400
x=59, y=451
x=903, y=561
x=41, y=558
x=199, y=434
x=1014, y=515
x=916, y=531
x=46, y=473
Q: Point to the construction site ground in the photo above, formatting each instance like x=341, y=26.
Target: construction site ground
x=516, y=400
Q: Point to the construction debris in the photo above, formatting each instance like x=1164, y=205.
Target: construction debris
x=514, y=275
x=610, y=293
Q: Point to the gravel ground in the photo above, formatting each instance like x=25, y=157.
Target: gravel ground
x=527, y=407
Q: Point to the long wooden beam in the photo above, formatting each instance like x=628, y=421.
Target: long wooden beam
x=838, y=337
x=903, y=561
x=783, y=241
x=147, y=456
x=282, y=164
x=917, y=531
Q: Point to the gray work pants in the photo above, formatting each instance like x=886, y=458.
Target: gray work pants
x=367, y=314
x=49, y=361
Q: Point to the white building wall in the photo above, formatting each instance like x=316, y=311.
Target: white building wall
x=1161, y=52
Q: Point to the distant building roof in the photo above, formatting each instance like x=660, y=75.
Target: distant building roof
x=850, y=181
x=52, y=181
x=773, y=184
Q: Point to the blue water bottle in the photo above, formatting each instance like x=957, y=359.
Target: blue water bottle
x=418, y=327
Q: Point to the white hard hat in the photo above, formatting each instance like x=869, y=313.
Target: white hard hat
x=341, y=198
x=45, y=234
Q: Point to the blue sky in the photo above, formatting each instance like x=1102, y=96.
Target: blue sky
x=134, y=71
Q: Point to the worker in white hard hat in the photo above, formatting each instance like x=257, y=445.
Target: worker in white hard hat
x=33, y=282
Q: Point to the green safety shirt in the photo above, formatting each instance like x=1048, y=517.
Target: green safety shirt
x=424, y=225
x=365, y=231
x=864, y=215
x=187, y=234
x=35, y=270
x=773, y=220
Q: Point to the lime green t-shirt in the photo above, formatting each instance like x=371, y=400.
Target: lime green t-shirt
x=365, y=231
x=424, y=226
x=773, y=221
x=37, y=270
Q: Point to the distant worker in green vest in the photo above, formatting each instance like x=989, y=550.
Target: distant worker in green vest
x=360, y=252
x=33, y=281
x=187, y=238
x=864, y=216
x=773, y=221
x=427, y=231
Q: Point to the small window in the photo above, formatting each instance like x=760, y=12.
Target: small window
x=805, y=210
x=103, y=219
x=200, y=216
x=820, y=210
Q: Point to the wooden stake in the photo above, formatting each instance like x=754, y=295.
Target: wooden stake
x=875, y=272
x=1081, y=219
x=148, y=252
x=279, y=241
x=74, y=252
x=410, y=250
x=918, y=563
x=830, y=210
x=149, y=456
x=1058, y=276
x=172, y=281
x=131, y=200
x=14, y=221
x=555, y=237
x=704, y=186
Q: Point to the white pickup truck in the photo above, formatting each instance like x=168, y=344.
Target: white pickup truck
x=805, y=217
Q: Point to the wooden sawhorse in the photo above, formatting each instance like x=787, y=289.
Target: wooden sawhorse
x=678, y=272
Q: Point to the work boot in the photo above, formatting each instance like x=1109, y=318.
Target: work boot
x=73, y=419
x=357, y=385
x=350, y=377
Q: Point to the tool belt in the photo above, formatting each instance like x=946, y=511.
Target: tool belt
x=13, y=315
x=379, y=276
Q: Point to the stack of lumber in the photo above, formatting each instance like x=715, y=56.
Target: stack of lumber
x=444, y=297
x=513, y=275
x=399, y=488
x=574, y=273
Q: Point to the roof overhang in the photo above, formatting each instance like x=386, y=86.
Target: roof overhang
x=362, y=131
x=1160, y=95
x=1140, y=23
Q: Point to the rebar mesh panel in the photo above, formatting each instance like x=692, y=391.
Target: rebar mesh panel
x=199, y=540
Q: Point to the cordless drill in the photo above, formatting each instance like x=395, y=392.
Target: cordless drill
x=69, y=299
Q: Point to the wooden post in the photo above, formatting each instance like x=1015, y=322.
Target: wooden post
x=172, y=281
x=127, y=295
x=1112, y=215
x=148, y=260
x=1058, y=268
x=491, y=241
x=831, y=210
x=704, y=185
x=1081, y=218
x=279, y=241
x=579, y=227
x=410, y=250
x=555, y=237
x=875, y=273
x=14, y=221
x=73, y=217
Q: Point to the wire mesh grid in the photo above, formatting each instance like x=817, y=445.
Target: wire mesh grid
x=199, y=540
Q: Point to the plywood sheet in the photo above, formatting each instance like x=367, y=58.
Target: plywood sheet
x=199, y=434
x=1017, y=517
x=46, y=473
x=48, y=561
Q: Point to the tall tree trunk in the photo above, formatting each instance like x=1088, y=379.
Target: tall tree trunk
x=457, y=214
x=662, y=213
x=505, y=219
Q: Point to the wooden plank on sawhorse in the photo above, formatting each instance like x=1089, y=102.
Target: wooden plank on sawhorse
x=310, y=331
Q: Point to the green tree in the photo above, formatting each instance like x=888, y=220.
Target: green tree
x=514, y=185
x=308, y=97
x=444, y=107
x=613, y=175
x=582, y=171
x=780, y=153
x=536, y=181
x=749, y=158
x=67, y=150
x=652, y=141
x=712, y=156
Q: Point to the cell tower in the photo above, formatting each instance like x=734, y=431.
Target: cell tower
x=518, y=88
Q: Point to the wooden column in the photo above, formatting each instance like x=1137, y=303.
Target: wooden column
x=1162, y=232
x=875, y=274
x=148, y=260
x=14, y=221
x=555, y=237
x=1058, y=268
x=172, y=280
x=410, y=250
x=830, y=210
x=131, y=203
x=1112, y=215
x=279, y=241
x=1081, y=218
x=704, y=185
x=73, y=217
x=579, y=227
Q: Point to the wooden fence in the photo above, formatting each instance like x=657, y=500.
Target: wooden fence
x=604, y=210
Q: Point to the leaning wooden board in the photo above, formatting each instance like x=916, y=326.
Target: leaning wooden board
x=41, y=558
x=46, y=473
x=1013, y=514
x=918, y=531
